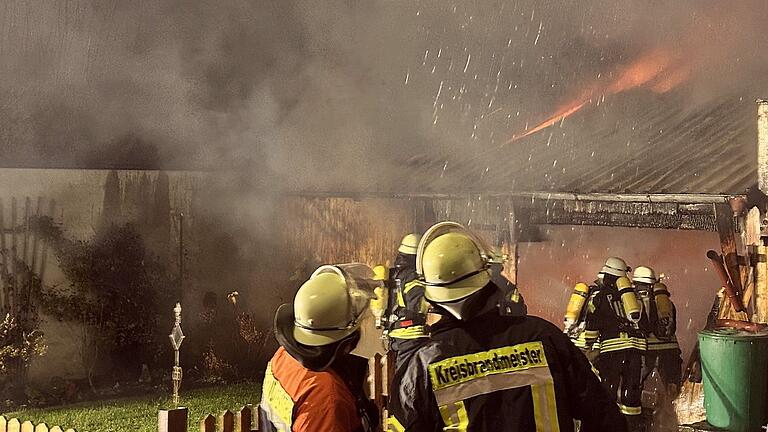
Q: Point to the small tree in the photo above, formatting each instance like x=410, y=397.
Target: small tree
x=115, y=289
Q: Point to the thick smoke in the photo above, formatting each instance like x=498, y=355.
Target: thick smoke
x=329, y=95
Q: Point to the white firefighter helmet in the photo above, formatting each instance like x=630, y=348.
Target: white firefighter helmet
x=409, y=244
x=615, y=266
x=332, y=303
x=453, y=263
x=645, y=275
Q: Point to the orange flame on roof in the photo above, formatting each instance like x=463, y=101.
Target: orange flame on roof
x=658, y=69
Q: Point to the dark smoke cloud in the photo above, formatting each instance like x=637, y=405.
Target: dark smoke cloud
x=332, y=94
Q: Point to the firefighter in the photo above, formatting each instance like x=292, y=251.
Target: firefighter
x=513, y=304
x=614, y=319
x=314, y=382
x=663, y=350
x=408, y=329
x=483, y=370
x=576, y=312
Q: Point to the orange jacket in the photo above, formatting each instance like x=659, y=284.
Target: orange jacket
x=297, y=399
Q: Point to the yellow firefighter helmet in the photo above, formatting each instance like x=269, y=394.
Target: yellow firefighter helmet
x=644, y=275
x=453, y=263
x=330, y=305
x=615, y=266
x=409, y=244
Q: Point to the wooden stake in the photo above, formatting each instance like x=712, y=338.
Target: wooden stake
x=25, y=246
x=14, y=255
x=44, y=257
x=36, y=235
x=3, y=253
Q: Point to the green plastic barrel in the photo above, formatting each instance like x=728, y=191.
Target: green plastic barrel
x=734, y=366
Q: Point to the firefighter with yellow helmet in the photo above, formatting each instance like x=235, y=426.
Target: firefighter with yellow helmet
x=663, y=350
x=614, y=319
x=485, y=370
x=408, y=328
x=577, y=309
x=315, y=381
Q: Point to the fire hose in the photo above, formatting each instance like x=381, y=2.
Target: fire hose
x=742, y=325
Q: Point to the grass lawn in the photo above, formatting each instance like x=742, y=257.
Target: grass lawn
x=140, y=413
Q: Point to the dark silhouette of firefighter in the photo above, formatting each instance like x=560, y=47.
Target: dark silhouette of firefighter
x=575, y=321
x=663, y=350
x=485, y=370
x=408, y=328
x=613, y=319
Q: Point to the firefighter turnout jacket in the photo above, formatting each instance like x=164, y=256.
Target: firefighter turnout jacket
x=578, y=306
x=297, y=399
x=410, y=308
x=499, y=373
x=608, y=320
x=615, y=319
x=663, y=349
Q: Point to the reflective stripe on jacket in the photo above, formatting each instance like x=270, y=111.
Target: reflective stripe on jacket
x=497, y=373
x=299, y=400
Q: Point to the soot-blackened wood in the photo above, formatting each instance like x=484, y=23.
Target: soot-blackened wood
x=726, y=229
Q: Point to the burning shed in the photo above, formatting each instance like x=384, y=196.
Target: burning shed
x=660, y=192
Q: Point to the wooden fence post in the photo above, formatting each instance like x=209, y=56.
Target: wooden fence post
x=243, y=420
x=42, y=427
x=173, y=420
x=226, y=422
x=14, y=425
x=27, y=426
x=208, y=424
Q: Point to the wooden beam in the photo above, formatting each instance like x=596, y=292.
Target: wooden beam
x=511, y=267
x=15, y=256
x=44, y=257
x=726, y=229
x=36, y=235
x=25, y=246
x=541, y=196
x=762, y=145
x=4, y=261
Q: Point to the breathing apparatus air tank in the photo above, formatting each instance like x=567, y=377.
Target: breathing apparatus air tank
x=664, y=307
x=379, y=303
x=576, y=304
x=632, y=306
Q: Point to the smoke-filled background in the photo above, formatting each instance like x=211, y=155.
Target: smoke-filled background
x=346, y=95
x=365, y=96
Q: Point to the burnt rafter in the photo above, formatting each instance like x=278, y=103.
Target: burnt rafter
x=660, y=215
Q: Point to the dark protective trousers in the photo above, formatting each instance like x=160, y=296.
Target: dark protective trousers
x=621, y=372
x=669, y=362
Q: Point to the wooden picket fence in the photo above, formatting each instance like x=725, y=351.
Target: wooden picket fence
x=15, y=425
x=175, y=420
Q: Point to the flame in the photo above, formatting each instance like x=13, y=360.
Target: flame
x=559, y=115
x=659, y=69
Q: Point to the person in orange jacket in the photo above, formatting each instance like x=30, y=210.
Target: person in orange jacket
x=315, y=381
